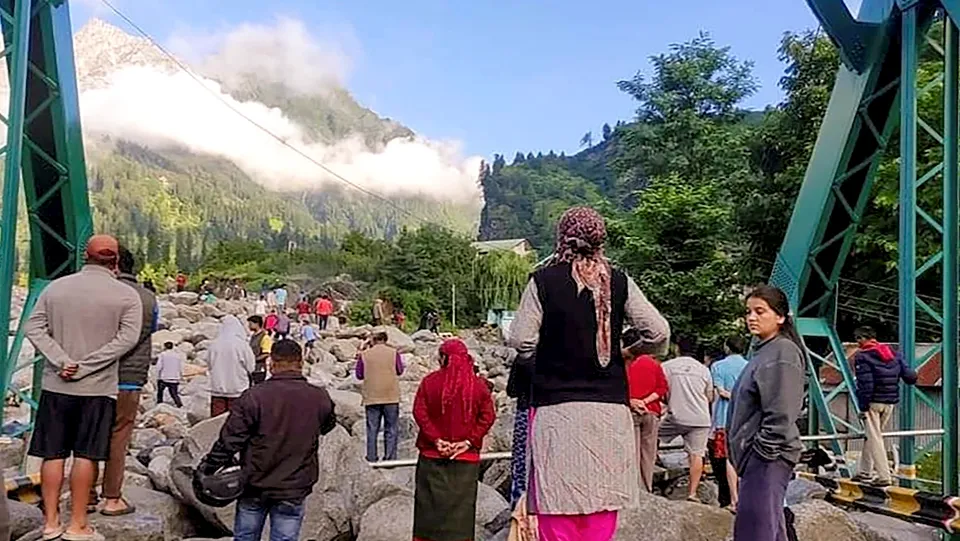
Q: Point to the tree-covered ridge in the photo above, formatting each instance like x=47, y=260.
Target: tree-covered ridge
x=173, y=206
x=328, y=116
x=698, y=192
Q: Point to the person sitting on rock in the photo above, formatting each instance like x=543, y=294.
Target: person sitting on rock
x=379, y=367
x=275, y=429
x=454, y=410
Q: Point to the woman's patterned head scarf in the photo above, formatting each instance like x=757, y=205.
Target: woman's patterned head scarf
x=581, y=234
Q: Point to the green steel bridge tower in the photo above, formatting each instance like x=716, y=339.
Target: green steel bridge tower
x=44, y=153
x=875, y=94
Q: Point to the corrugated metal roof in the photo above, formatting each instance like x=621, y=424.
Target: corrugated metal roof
x=490, y=245
x=927, y=376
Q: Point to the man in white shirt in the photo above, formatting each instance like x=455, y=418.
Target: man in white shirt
x=169, y=374
x=691, y=392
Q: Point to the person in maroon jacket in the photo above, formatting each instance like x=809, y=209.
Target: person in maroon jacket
x=454, y=410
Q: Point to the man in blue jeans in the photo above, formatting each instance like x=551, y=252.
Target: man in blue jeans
x=379, y=367
x=275, y=428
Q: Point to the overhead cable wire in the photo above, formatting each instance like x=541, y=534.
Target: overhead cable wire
x=186, y=69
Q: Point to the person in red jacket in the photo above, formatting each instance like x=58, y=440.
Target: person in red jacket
x=303, y=309
x=648, y=389
x=454, y=410
x=323, y=309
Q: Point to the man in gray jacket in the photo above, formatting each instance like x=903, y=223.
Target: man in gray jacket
x=133, y=369
x=82, y=324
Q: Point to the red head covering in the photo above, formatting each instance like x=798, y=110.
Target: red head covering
x=458, y=378
x=103, y=249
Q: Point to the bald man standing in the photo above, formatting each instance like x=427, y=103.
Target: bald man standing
x=82, y=324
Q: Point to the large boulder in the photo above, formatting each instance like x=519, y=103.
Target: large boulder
x=160, y=473
x=349, y=407
x=202, y=332
x=192, y=448
x=659, y=519
x=802, y=490
x=344, y=350
x=398, y=339
x=159, y=517
x=184, y=298
x=24, y=518
x=876, y=527
x=490, y=507
x=424, y=335
x=818, y=520
x=11, y=452
x=146, y=438
x=160, y=338
x=390, y=519
x=193, y=314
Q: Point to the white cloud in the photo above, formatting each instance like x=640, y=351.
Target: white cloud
x=158, y=109
x=284, y=52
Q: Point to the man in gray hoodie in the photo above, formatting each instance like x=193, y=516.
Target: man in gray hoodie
x=230, y=362
x=82, y=324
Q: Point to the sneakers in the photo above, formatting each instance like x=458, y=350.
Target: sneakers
x=861, y=478
x=881, y=483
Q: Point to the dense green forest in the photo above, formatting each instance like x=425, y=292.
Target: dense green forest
x=698, y=192
x=425, y=268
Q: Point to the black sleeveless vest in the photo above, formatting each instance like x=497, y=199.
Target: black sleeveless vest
x=566, y=367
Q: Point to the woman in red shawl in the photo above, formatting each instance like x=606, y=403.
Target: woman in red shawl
x=454, y=410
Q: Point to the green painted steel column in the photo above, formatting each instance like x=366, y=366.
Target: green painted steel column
x=951, y=202
x=11, y=173
x=908, y=224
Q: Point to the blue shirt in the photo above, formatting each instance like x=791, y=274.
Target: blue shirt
x=281, y=295
x=309, y=333
x=725, y=374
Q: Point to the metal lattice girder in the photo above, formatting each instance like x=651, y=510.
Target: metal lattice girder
x=869, y=101
x=44, y=151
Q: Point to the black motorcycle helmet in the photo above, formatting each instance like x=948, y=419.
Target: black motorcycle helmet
x=217, y=488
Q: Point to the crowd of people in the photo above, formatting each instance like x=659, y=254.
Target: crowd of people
x=596, y=383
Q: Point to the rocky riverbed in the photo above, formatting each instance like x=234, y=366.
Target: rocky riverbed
x=353, y=501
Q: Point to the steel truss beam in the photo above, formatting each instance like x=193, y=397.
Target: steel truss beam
x=868, y=103
x=44, y=151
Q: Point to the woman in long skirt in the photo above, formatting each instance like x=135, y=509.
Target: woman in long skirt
x=454, y=410
x=581, y=450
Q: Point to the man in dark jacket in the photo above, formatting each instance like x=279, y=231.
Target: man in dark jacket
x=275, y=428
x=133, y=369
x=879, y=371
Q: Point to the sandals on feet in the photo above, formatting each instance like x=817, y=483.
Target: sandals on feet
x=128, y=508
x=50, y=535
x=94, y=535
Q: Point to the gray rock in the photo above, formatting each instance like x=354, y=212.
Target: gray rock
x=161, y=337
x=146, y=438
x=184, y=298
x=349, y=407
x=212, y=310
x=186, y=349
x=193, y=314
x=424, y=335
x=390, y=519
x=199, y=441
x=160, y=472
x=659, y=519
x=11, y=452
x=498, y=476
x=398, y=339
x=707, y=491
x=158, y=518
x=801, y=490
x=131, y=479
x=24, y=518
x=162, y=414
x=816, y=520
x=876, y=527
x=135, y=466
x=178, y=323
x=344, y=350
x=490, y=505
x=202, y=332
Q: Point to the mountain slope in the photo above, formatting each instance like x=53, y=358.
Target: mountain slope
x=173, y=204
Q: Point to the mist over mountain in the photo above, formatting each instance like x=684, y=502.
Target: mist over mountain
x=180, y=160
